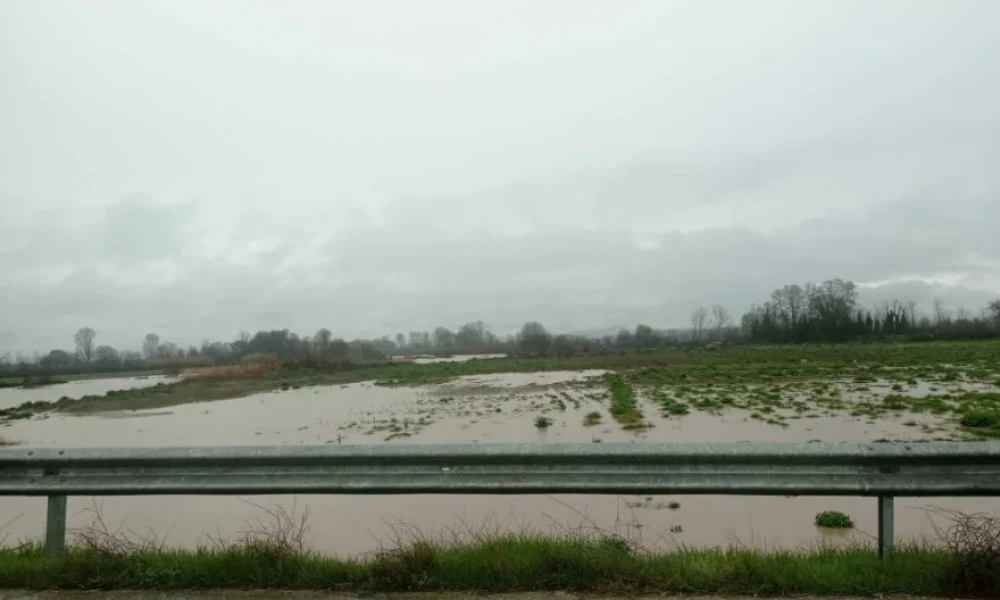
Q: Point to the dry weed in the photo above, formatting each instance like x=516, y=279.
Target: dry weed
x=974, y=543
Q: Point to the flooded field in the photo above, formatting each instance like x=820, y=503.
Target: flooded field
x=10, y=397
x=507, y=407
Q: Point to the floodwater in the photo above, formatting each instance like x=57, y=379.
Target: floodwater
x=457, y=358
x=487, y=409
x=10, y=397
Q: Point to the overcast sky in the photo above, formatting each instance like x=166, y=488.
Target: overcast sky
x=199, y=167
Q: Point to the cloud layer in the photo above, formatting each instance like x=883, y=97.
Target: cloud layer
x=167, y=167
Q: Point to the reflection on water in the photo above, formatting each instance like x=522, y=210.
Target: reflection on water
x=10, y=397
x=493, y=408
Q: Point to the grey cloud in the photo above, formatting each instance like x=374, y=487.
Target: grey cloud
x=168, y=167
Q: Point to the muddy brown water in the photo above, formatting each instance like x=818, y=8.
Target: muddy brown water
x=493, y=408
x=11, y=397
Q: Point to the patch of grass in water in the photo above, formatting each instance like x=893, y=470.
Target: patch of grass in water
x=591, y=419
x=980, y=418
x=542, y=422
x=834, y=519
x=623, y=403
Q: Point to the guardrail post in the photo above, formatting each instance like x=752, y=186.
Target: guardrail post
x=886, y=527
x=55, y=523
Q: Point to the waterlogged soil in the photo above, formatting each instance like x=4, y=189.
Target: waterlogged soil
x=506, y=408
x=11, y=397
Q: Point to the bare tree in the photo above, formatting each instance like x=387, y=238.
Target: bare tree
x=994, y=309
x=721, y=317
x=107, y=356
x=323, y=338
x=84, y=340
x=698, y=318
x=151, y=346
x=940, y=314
x=911, y=307
x=534, y=338
x=242, y=343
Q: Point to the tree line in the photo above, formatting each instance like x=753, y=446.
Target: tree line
x=830, y=312
x=827, y=312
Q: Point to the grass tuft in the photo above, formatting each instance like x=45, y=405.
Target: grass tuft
x=542, y=422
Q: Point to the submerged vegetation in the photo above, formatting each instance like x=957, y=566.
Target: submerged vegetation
x=773, y=384
x=834, y=519
x=623, y=405
x=542, y=422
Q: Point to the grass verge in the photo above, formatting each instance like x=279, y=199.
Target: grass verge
x=272, y=554
x=505, y=563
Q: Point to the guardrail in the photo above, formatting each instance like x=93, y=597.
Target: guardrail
x=882, y=470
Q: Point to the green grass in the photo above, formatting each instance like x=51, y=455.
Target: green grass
x=501, y=564
x=623, y=404
x=591, y=419
x=980, y=417
x=542, y=422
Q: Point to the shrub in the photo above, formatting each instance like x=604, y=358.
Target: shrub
x=261, y=365
x=542, y=422
x=973, y=566
x=834, y=519
x=979, y=417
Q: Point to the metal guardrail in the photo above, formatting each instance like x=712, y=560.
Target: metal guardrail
x=883, y=470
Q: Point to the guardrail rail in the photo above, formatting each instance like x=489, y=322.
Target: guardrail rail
x=882, y=470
